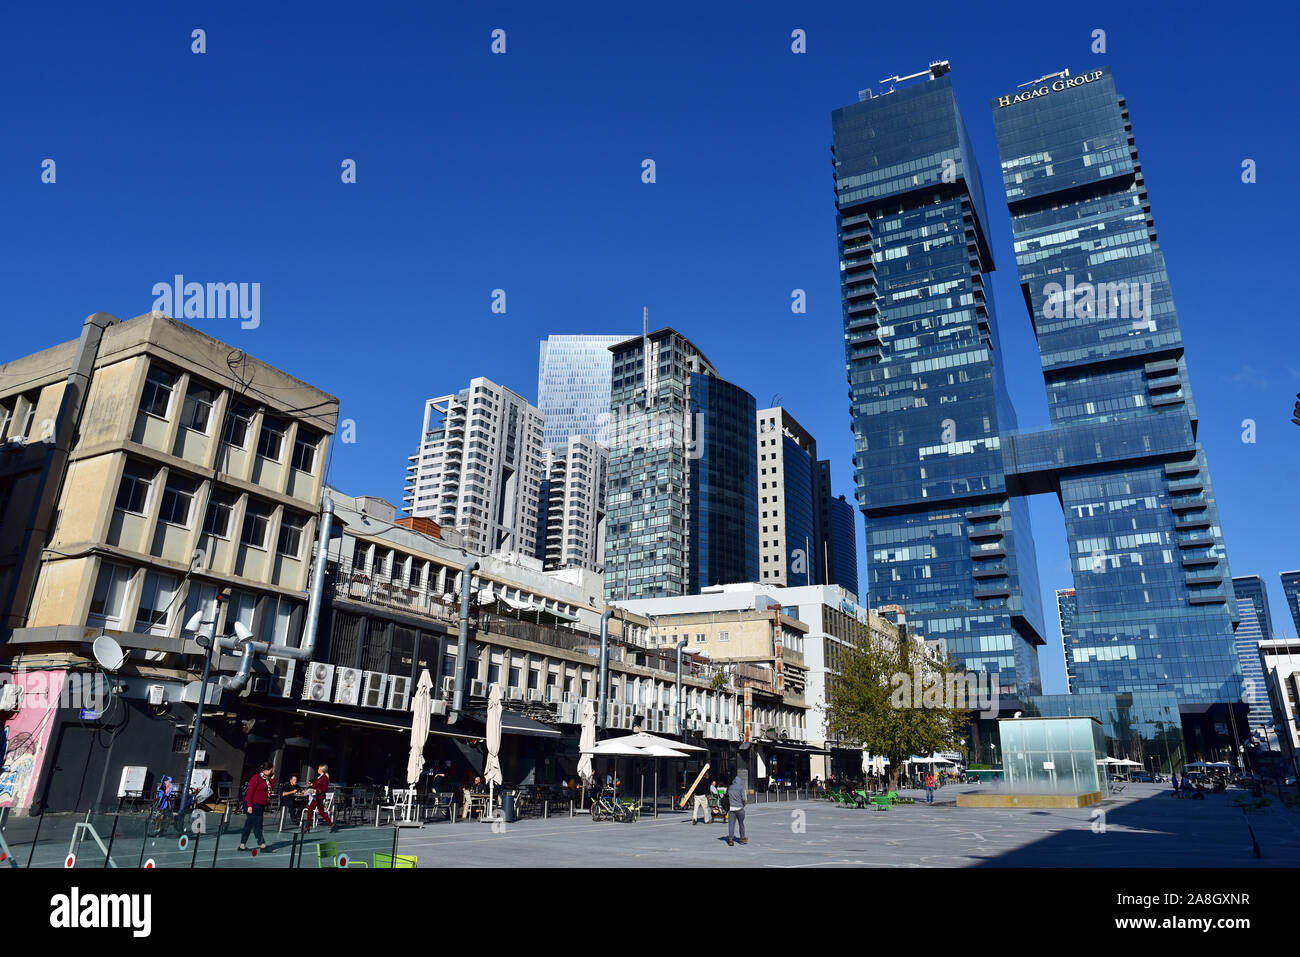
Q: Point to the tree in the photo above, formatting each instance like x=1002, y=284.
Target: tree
x=896, y=701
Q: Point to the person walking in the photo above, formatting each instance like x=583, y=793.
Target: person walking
x=1177, y=793
x=929, y=788
x=736, y=810
x=318, y=789
x=256, y=797
x=700, y=805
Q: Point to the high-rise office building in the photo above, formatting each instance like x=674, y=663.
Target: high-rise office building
x=946, y=539
x=1249, y=633
x=1151, y=576
x=1252, y=587
x=1065, y=608
x=573, y=376
x=683, y=487
x=1291, y=591
x=479, y=468
x=837, y=527
x=573, y=493
x=789, y=536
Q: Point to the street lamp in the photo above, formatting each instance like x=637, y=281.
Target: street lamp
x=205, y=640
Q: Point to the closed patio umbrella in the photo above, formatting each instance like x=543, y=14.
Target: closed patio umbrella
x=492, y=770
x=586, y=741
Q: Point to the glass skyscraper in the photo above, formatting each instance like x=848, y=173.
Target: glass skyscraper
x=1250, y=632
x=843, y=546
x=1252, y=587
x=723, y=509
x=1153, y=588
x=1291, y=590
x=946, y=538
x=573, y=380
x=682, y=466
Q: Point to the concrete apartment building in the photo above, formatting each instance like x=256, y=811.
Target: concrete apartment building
x=829, y=621
x=479, y=467
x=790, y=541
x=572, y=505
x=146, y=468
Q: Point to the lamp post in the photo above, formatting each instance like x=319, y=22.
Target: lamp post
x=205, y=641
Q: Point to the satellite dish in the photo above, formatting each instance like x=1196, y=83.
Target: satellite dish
x=108, y=653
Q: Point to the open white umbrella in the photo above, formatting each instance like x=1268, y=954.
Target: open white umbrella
x=492, y=770
x=643, y=740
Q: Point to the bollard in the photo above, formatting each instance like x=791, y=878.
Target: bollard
x=545, y=810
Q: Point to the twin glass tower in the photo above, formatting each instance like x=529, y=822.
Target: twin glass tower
x=942, y=468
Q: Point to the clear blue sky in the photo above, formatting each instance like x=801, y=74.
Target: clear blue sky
x=522, y=172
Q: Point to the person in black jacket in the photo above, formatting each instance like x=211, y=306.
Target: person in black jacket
x=736, y=810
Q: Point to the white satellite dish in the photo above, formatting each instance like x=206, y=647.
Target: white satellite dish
x=108, y=653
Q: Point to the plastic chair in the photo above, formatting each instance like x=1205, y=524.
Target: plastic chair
x=395, y=860
x=327, y=853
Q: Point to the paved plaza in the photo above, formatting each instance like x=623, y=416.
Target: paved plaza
x=1144, y=826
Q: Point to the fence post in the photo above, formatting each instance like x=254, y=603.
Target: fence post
x=545, y=810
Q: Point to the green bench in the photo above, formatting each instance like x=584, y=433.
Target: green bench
x=883, y=801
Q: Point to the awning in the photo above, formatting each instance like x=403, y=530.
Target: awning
x=798, y=748
x=387, y=725
x=512, y=722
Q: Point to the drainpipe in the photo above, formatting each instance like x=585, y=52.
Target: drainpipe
x=251, y=649
x=680, y=729
x=462, y=643
x=604, y=669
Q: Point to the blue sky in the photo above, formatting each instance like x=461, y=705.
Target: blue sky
x=522, y=171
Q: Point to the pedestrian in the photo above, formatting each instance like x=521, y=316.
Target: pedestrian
x=735, y=807
x=256, y=797
x=318, y=789
x=929, y=788
x=700, y=805
x=1174, y=777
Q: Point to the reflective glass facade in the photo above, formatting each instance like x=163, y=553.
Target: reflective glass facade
x=843, y=547
x=945, y=538
x=1154, y=599
x=573, y=382
x=723, y=484
x=1291, y=590
x=1252, y=587
x=1254, y=690
x=1144, y=726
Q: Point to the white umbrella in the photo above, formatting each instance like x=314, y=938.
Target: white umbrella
x=587, y=741
x=421, y=708
x=643, y=740
x=492, y=770
x=867, y=762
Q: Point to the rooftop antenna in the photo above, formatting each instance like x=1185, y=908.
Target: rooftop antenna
x=936, y=69
x=1050, y=76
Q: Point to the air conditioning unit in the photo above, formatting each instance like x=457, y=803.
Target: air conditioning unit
x=282, y=678
x=670, y=724
x=554, y=695
x=534, y=694
x=439, y=707
x=11, y=696
x=515, y=694
x=372, y=689
x=477, y=689
x=449, y=686
x=399, y=692
x=319, y=682
x=155, y=694
x=347, y=686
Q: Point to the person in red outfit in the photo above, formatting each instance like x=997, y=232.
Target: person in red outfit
x=256, y=797
x=318, y=789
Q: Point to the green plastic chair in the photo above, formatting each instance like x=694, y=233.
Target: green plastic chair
x=327, y=853
x=396, y=860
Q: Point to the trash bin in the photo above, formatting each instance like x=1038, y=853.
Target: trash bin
x=508, y=807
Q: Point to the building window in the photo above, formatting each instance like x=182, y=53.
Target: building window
x=290, y=540
x=133, y=492
x=156, y=600
x=699, y=639
x=304, y=451
x=196, y=413
x=280, y=634
x=156, y=399
x=110, y=596
x=271, y=441
x=238, y=421
x=177, y=499
x=243, y=606
x=256, y=522
x=202, y=598
x=724, y=636
x=217, y=520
